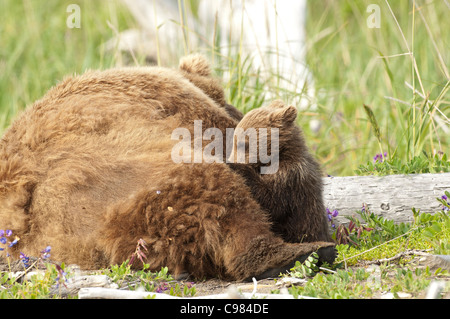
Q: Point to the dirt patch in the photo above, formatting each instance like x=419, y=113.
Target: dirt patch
x=216, y=286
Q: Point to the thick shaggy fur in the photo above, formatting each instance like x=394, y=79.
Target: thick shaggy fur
x=87, y=170
x=195, y=68
x=292, y=195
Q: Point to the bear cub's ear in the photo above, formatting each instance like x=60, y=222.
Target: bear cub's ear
x=287, y=114
x=281, y=113
x=196, y=64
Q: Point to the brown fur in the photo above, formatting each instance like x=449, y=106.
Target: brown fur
x=196, y=68
x=87, y=170
x=293, y=195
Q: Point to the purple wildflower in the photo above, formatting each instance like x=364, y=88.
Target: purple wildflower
x=3, y=240
x=61, y=278
x=25, y=260
x=335, y=213
x=162, y=287
x=330, y=216
x=379, y=157
x=13, y=242
x=46, y=252
x=445, y=198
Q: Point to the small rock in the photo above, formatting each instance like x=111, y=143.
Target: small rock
x=435, y=289
x=290, y=281
x=388, y=295
x=22, y=276
x=233, y=292
x=436, y=261
x=400, y=294
x=76, y=283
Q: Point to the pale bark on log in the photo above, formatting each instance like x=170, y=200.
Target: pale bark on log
x=392, y=196
x=107, y=293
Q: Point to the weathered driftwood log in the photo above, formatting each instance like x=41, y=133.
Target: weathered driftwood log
x=391, y=196
x=107, y=293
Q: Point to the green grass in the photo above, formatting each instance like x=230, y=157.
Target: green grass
x=393, y=248
x=353, y=65
x=363, y=283
x=38, y=49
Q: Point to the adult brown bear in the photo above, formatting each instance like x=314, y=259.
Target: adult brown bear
x=88, y=170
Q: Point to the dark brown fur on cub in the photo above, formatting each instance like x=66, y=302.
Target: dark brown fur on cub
x=293, y=194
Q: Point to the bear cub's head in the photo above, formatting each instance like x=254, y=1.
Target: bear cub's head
x=266, y=136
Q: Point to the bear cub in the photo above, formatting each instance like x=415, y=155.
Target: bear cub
x=292, y=193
